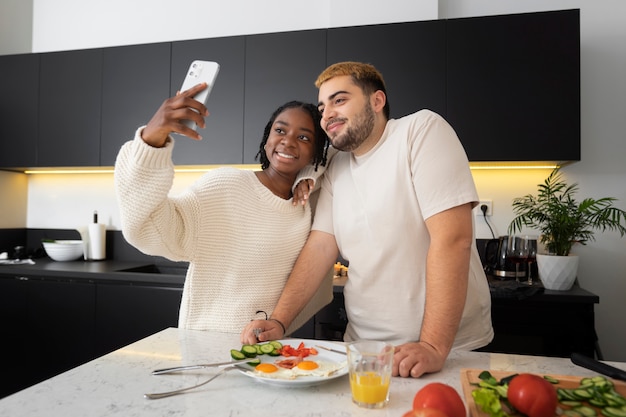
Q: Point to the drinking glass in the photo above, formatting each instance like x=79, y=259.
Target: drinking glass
x=517, y=252
x=532, y=256
x=369, y=366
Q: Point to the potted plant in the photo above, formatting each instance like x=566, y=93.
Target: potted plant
x=563, y=222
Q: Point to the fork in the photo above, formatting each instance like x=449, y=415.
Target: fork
x=157, y=395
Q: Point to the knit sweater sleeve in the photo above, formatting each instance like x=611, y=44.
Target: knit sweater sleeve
x=309, y=172
x=151, y=221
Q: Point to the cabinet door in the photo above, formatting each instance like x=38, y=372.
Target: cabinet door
x=127, y=313
x=48, y=327
x=19, y=95
x=15, y=340
x=514, y=86
x=223, y=136
x=280, y=67
x=69, y=108
x=410, y=56
x=135, y=81
x=62, y=324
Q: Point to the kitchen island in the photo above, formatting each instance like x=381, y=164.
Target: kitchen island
x=114, y=384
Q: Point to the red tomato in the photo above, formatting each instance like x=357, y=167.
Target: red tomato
x=441, y=397
x=532, y=395
x=425, y=412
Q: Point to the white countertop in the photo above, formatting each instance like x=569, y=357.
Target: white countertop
x=114, y=384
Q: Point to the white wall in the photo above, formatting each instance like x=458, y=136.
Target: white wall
x=601, y=173
x=77, y=24
x=16, y=26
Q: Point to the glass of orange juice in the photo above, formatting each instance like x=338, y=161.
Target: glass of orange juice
x=369, y=367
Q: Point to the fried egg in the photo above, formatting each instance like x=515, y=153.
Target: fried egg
x=304, y=368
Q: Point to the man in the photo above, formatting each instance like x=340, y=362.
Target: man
x=397, y=204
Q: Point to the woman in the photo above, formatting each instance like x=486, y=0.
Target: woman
x=238, y=229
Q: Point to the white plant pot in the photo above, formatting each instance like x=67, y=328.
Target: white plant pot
x=557, y=272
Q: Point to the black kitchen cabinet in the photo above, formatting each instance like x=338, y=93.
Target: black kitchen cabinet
x=135, y=81
x=49, y=328
x=70, y=108
x=127, y=313
x=545, y=323
x=513, y=86
x=551, y=323
x=19, y=94
x=280, y=67
x=223, y=136
x=415, y=78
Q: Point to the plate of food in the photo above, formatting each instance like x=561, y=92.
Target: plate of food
x=293, y=362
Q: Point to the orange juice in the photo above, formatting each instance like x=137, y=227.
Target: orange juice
x=369, y=388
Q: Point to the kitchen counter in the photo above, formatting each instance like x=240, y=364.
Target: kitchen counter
x=110, y=270
x=114, y=384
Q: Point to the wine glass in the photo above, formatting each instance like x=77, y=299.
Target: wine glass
x=532, y=256
x=517, y=252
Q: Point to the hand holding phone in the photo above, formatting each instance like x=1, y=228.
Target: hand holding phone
x=199, y=72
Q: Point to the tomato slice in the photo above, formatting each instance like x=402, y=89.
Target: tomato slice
x=301, y=351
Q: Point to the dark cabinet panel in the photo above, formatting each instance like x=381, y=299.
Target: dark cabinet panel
x=69, y=108
x=415, y=77
x=280, y=67
x=513, y=86
x=223, y=136
x=127, y=313
x=135, y=81
x=19, y=95
x=49, y=328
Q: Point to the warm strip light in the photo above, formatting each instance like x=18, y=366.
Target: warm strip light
x=256, y=167
x=110, y=170
x=486, y=167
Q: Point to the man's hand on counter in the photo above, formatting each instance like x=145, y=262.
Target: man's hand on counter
x=415, y=359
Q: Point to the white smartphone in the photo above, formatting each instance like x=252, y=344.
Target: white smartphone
x=199, y=72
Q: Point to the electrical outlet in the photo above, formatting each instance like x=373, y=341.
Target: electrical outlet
x=478, y=211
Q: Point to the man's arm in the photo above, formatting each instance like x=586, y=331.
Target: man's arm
x=317, y=256
x=447, y=271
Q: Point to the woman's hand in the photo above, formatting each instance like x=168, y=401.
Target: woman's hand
x=168, y=117
x=302, y=191
x=269, y=330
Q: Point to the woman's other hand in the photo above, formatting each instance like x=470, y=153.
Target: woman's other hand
x=302, y=191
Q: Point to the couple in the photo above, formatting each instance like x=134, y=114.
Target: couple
x=396, y=204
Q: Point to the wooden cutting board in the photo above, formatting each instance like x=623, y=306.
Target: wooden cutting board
x=470, y=376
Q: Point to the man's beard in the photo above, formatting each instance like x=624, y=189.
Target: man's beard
x=355, y=135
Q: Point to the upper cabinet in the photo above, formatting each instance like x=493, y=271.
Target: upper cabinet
x=70, y=97
x=19, y=92
x=513, y=86
x=415, y=78
x=509, y=85
x=135, y=81
x=222, y=141
x=280, y=67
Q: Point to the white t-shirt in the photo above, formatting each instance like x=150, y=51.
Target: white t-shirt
x=376, y=205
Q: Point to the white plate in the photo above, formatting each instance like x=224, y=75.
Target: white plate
x=303, y=381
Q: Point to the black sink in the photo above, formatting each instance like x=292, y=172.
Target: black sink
x=157, y=269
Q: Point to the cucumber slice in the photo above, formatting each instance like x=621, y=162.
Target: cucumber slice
x=613, y=412
x=249, y=351
x=277, y=345
x=254, y=362
x=237, y=355
x=275, y=352
x=266, y=348
x=586, y=411
x=550, y=379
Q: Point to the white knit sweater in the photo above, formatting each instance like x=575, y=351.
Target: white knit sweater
x=241, y=240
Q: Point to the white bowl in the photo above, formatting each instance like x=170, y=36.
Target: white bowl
x=64, y=250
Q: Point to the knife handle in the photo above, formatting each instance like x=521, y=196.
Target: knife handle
x=597, y=366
